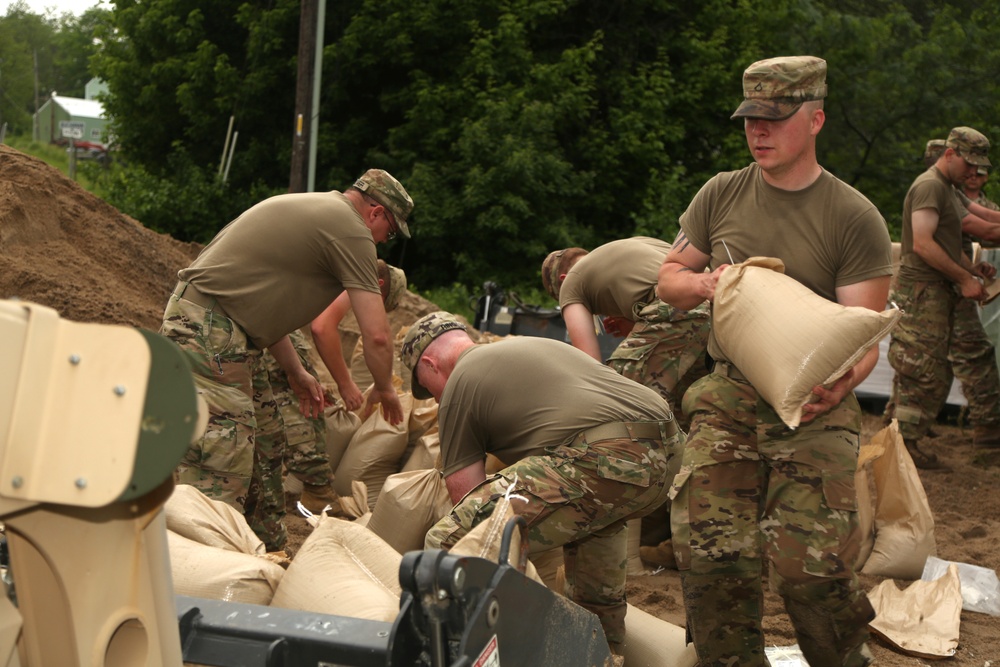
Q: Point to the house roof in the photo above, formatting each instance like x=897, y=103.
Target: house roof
x=75, y=106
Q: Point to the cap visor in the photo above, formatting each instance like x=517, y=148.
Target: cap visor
x=403, y=228
x=766, y=109
x=418, y=389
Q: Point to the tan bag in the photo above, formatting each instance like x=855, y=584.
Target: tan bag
x=484, y=540
x=864, y=485
x=203, y=571
x=426, y=453
x=409, y=504
x=922, y=620
x=341, y=425
x=785, y=338
x=343, y=569
x=653, y=642
x=904, y=523
x=375, y=452
x=192, y=514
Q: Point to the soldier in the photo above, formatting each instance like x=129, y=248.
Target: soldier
x=267, y=273
x=935, y=277
x=973, y=189
x=749, y=487
x=587, y=449
x=304, y=438
x=664, y=348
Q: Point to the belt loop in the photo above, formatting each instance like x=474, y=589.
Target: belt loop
x=631, y=433
x=183, y=284
x=663, y=429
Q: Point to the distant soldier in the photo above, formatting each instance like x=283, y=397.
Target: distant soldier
x=937, y=288
x=664, y=347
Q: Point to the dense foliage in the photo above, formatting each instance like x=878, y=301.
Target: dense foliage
x=518, y=126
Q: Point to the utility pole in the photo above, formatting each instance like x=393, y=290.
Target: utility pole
x=302, y=133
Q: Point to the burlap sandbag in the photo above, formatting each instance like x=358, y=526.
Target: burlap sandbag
x=375, y=452
x=785, y=338
x=653, y=642
x=904, y=523
x=922, y=620
x=409, y=504
x=192, y=514
x=343, y=569
x=217, y=573
x=423, y=418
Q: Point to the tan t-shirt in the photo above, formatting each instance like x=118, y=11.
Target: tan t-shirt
x=614, y=277
x=930, y=190
x=515, y=397
x=828, y=235
x=278, y=265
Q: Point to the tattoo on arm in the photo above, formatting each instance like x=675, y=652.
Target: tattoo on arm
x=681, y=240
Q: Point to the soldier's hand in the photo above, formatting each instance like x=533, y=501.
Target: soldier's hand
x=312, y=394
x=392, y=409
x=351, y=395
x=827, y=399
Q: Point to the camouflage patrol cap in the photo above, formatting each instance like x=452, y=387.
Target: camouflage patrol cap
x=387, y=191
x=775, y=88
x=397, y=286
x=970, y=144
x=421, y=334
x=934, y=149
x=553, y=266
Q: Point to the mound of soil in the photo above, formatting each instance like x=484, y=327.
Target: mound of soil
x=64, y=248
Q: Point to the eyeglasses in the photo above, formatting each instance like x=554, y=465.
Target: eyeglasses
x=393, y=228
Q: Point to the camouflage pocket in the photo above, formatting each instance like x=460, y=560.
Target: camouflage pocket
x=622, y=470
x=839, y=492
x=632, y=348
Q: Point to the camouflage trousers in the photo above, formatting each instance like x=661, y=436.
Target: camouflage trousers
x=303, y=440
x=939, y=335
x=579, y=496
x=237, y=460
x=665, y=351
x=749, y=488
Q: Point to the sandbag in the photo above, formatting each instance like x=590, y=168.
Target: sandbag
x=409, y=504
x=785, y=338
x=425, y=453
x=341, y=425
x=423, y=418
x=216, y=573
x=653, y=642
x=904, y=523
x=864, y=486
x=195, y=516
x=922, y=620
x=374, y=453
x=484, y=540
x=343, y=569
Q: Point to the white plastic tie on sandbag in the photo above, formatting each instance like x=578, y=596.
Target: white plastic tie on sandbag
x=980, y=585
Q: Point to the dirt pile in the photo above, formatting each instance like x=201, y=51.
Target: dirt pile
x=64, y=248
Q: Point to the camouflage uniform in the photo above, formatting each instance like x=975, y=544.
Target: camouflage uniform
x=665, y=350
x=940, y=332
x=238, y=460
x=577, y=501
x=303, y=439
x=578, y=492
x=750, y=489
x=747, y=490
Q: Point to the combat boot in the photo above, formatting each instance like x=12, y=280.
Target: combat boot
x=318, y=497
x=921, y=459
x=986, y=436
x=662, y=555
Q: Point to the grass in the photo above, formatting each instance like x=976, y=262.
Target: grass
x=54, y=156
